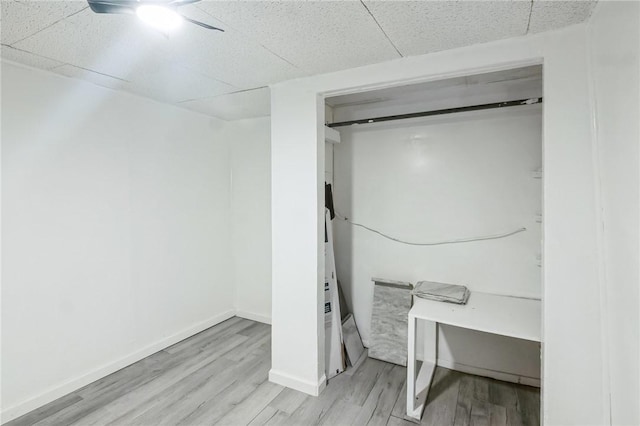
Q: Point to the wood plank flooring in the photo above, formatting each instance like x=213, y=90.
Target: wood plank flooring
x=219, y=377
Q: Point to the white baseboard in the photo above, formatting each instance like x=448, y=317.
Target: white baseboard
x=253, y=317
x=498, y=375
x=284, y=379
x=78, y=382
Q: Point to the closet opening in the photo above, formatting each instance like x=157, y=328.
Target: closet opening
x=441, y=182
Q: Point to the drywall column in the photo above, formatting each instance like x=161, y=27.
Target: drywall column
x=297, y=223
x=571, y=294
x=614, y=41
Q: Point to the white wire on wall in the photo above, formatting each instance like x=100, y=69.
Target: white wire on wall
x=411, y=243
x=434, y=243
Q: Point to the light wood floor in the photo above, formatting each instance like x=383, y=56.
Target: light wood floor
x=220, y=377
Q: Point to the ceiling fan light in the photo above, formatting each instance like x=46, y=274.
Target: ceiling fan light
x=159, y=17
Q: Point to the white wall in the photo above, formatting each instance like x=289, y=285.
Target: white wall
x=250, y=145
x=115, y=232
x=437, y=179
x=614, y=36
x=573, y=374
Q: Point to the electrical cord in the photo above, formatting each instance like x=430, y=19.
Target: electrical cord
x=436, y=243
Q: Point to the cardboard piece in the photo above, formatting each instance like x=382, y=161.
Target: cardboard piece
x=334, y=351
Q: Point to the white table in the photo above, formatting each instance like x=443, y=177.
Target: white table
x=491, y=313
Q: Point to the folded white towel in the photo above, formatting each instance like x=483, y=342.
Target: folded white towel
x=441, y=292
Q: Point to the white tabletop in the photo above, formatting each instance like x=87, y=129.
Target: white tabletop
x=504, y=315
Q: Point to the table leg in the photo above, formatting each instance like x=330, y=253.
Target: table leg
x=411, y=369
x=418, y=384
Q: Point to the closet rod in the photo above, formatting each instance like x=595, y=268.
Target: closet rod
x=529, y=101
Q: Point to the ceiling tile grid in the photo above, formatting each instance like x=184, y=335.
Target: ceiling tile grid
x=203, y=63
x=264, y=42
x=21, y=19
x=551, y=15
x=230, y=56
x=90, y=76
x=234, y=106
x=108, y=44
x=174, y=84
x=317, y=36
x=28, y=58
x=418, y=27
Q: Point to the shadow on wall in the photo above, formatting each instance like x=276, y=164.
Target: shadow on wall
x=343, y=204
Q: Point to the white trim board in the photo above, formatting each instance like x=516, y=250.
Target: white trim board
x=331, y=135
x=74, y=384
x=483, y=372
x=310, y=388
x=493, y=374
x=265, y=319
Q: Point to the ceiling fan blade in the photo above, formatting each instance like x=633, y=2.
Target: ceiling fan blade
x=129, y=6
x=101, y=6
x=182, y=2
x=202, y=24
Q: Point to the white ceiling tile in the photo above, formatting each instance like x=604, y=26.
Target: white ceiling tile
x=551, y=15
x=123, y=47
x=90, y=76
x=234, y=106
x=318, y=36
x=21, y=19
x=227, y=56
x=174, y=83
x=115, y=45
x=418, y=27
x=264, y=42
x=28, y=58
x=170, y=84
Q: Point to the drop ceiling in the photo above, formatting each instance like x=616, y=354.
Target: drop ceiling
x=227, y=74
